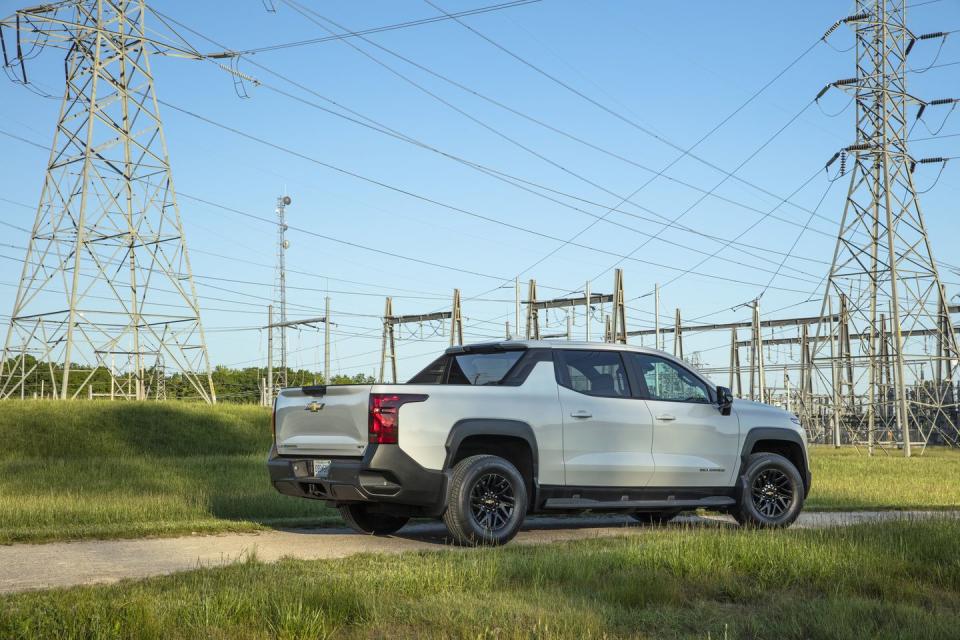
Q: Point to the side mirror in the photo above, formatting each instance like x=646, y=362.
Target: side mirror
x=724, y=400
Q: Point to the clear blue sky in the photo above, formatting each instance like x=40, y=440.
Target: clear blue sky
x=675, y=68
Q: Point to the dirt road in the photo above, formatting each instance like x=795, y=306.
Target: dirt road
x=41, y=566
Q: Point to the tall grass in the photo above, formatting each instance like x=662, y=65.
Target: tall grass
x=894, y=580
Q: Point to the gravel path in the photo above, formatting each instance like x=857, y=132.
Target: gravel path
x=41, y=566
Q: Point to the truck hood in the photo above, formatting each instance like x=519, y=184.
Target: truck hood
x=757, y=414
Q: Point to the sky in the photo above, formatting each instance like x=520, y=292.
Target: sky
x=562, y=111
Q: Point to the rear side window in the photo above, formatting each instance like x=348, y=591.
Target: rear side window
x=480, y=369
x=595, y=373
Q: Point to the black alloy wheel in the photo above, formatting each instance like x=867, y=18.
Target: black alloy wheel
x=492, y=502
x=772, y=492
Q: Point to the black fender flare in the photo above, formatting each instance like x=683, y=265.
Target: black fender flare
x=467, y=427
x=773, y=433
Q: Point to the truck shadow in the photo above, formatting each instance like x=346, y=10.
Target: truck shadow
x=545, y=529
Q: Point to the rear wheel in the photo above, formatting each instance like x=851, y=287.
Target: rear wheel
x=486, y=501
x=654, y=517
x=772, y=492
x=359, y=518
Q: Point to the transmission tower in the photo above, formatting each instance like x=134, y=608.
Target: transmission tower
x=106, y=275
x=890, y=387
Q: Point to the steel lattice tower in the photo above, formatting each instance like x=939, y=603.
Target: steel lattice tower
x=106, y=279
x=888, y=353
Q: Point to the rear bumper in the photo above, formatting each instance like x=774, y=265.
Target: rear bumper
x=385, y=475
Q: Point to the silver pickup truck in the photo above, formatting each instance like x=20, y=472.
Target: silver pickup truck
x=488, y=433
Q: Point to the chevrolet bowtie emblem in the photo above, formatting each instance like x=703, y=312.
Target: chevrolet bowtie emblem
x=315, y=406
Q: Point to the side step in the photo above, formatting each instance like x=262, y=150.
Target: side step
x=586, y=503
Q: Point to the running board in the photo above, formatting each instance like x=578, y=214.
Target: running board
x=586, y=503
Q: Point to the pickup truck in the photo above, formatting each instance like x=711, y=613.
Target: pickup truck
x=489, y=433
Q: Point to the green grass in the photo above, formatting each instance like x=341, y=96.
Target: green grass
x=845, y=479
x=114, y=469
x=895, y=580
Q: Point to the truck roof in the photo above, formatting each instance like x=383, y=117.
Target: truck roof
x=518, y=345
x=555, y=344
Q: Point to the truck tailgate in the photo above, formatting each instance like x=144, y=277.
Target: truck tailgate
x=331, y=423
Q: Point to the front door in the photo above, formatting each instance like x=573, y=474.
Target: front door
x=607, y=433
x=693, y=443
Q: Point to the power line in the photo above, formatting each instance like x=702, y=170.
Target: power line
x=423, y=198
x=306, y=11
x=722, y=182
x=494, y=173
x=390, y=27
x=610, y=111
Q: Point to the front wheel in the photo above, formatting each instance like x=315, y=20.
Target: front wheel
x=359, y=518
x=772, y=492
x=486, y=501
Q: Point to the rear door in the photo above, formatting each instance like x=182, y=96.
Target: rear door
x=333, y=423
x=693, y=443
x=607, y=433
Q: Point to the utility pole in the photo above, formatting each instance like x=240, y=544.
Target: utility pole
x=456, y=320
x=533, y=318
x=388, y=342
x=587, y=308
x=736, y=383
x=107, y=270
x=618, y=327
x=656, y=315
x=282, y=245
x=326, y=340
x=677, y=336
x=516, y=308
x=270, y=393
x=883, y=254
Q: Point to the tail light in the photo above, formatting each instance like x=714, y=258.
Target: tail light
x=384, y=422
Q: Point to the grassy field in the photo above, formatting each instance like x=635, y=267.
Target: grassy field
x=103, y=470
x=896, y=580
x=114, y=469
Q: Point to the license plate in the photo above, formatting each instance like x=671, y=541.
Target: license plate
x=321, y=468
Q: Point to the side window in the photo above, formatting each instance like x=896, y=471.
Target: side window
x=595, y=373
x=668, y=381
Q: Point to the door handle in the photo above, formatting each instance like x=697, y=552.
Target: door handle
x=582, y=413
x=666, y=417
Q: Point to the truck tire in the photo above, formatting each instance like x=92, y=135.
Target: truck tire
x=772, y=492
x=486, y=501
x=358, y=518
x=654, y=517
